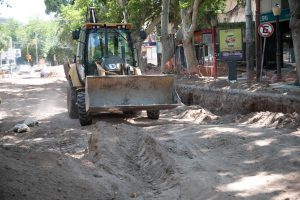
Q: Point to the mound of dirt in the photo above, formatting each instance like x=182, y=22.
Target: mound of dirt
x=71, y=141
x=271, y=119
x=30, y=175
x=195, y=114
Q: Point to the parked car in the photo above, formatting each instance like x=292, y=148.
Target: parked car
x=5, y=68
x=25, y=69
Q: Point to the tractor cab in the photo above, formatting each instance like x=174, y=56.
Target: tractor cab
x=110, y=46
x=105, y=46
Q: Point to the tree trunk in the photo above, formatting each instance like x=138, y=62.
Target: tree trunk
x=249, y=42
x=123, y=4
x=141, y=59
x=136, y=36
x=188, y=24
x=190, y=55
x=138, y=42
x=166, y=40
x=295, y=28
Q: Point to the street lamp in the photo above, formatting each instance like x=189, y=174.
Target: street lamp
x=213, y=22
x=277, y=11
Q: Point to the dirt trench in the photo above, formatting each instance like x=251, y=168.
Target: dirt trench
x=224, y=99
x=119, y=162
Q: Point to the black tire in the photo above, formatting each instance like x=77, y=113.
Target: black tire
x=71, y=103
x=153, y=114
x=85, y=117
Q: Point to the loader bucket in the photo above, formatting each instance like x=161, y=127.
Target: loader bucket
x=129, y=93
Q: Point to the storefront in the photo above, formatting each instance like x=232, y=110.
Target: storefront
x=285, y=33
x=203, y=47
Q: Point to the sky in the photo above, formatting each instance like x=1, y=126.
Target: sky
x=24, y=10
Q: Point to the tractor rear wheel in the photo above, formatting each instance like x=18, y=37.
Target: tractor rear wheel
x=85, y=118
x=71, y=103
x=153, y=114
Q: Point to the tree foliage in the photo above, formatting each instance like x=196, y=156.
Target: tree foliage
x=70, y=15
x=23, y=36
x=5, y=2
x=53, y=6
x=140, y=12
x=143, y=14
x=3, y=41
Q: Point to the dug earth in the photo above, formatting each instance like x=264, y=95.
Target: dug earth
x=193, y=152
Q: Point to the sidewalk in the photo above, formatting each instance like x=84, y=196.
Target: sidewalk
x=241, y=96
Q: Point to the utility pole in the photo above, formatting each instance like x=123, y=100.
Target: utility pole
x=36, y=49
x=249, y=42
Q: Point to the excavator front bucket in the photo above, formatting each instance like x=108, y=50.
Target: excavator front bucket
x=130, y=93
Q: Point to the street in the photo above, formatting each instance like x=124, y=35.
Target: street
x=188, y=154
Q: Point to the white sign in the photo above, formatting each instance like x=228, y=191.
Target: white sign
x=18, y=53
x=10, y=54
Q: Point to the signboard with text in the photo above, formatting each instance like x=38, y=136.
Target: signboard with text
x=231, y=44
x=269, y=16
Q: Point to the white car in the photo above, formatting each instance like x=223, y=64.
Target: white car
x=5, y=68
x=25, y=69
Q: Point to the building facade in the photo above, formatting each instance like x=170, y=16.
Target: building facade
x=266, y=15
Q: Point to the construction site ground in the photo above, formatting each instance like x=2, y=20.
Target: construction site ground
x=198, y=151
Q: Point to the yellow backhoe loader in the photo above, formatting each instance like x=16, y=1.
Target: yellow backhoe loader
x=105, y=76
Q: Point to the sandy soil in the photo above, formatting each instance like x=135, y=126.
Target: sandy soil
x=188, y=154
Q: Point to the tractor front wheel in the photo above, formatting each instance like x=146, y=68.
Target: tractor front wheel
x=71, y=103
x=85, y=118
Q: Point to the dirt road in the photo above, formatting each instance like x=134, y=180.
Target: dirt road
x=188, y=154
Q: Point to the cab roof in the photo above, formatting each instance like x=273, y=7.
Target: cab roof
x=108, y=25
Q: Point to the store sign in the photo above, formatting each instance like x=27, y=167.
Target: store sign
x=269, y=17
x=231, y=44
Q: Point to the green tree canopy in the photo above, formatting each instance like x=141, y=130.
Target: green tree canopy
x=53, y=6
x=23, y=36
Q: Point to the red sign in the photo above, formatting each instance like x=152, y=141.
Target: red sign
x=198, y=35
x=265, y=29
